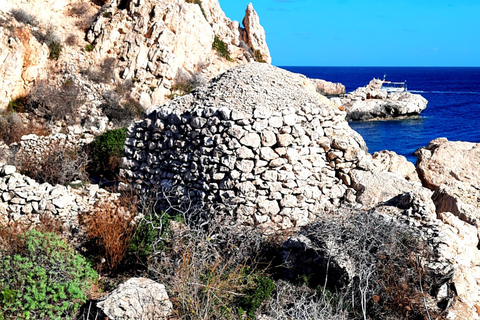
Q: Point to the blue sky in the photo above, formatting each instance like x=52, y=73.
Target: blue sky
x=367, y=32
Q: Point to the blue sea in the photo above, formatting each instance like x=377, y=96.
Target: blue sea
x=453, y=109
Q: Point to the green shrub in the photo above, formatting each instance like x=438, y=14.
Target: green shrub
x=89, y=47
x=221, y=47
x=45, y=279
x=55, y=48
x=18, y=104
x=106, y=14
x=107, y=151
x=260, y=289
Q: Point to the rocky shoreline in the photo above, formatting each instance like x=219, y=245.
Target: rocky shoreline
x=372, y=103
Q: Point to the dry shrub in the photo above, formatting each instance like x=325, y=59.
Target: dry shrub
x=11, y=128
x=55, y=164
x=110, y=227
x=55, y=103
x=84, y=13
x=212, y=267
x=10, y=240
x=389, y=280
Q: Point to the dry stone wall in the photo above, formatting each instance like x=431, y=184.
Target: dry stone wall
x=256, y=139
x=23, y=200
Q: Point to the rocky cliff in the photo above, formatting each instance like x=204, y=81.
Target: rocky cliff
x=161, y=47
x=372, y=103
x=162, y=43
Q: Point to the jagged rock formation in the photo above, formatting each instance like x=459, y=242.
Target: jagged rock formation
x=160, y=43
x=450, y=169
x=254, y=35
x=372, y=103
x=137, y=298
x=256, y=137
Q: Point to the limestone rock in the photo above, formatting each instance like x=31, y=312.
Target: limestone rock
x=372, y=103
x=328, y=88
x=444, y=161
x=391, y=162
x=254, y=35
x=138, y=298
x=163, y=43
x=22, y=58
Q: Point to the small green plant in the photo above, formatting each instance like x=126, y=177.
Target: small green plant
x=89, y=47
x=18, y=104
x=107, y=151
x=221, y=47
x=259, y=290
x=44, y=279
x=257, y=56
x=55, y=48
x=106, y=14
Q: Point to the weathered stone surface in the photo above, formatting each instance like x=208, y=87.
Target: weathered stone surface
x=372, y=103
x=254, y=35
x=167, y=42
x=328, y=88
x=391, y=162
x=137, y=298
x=443, y=161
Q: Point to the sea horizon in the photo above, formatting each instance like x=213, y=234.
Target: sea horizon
x=453, y=110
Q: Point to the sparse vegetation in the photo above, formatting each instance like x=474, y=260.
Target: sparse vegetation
x=221, y=48
x=257, y=56
x=57, y=164
x=55, y=48
x=53, y=103
x=199, y=2
x=24, y=17
x=89, y=47
x=11, y=127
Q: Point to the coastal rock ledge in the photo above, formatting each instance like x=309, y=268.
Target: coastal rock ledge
x=373, y=103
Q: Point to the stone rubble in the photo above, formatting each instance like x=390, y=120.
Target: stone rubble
x=372, y=103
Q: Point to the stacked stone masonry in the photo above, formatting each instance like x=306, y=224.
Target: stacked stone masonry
x=277, y=165
x=23, y=200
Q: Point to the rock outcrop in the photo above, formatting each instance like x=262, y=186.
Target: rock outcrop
x=450, y=169
x=372, y=103
x=137, y=298
x=328, y=88
x=160, y=43
x=258, y=137
x=254, y=35
x=22, y=59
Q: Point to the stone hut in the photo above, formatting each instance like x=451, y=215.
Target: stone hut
x=257, y=139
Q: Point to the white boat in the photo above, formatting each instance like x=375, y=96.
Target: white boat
x=390, y=86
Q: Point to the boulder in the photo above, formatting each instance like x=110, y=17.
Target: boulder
x=391, y=162
x=445, y=161
x=138, y=298
x=372, y=103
